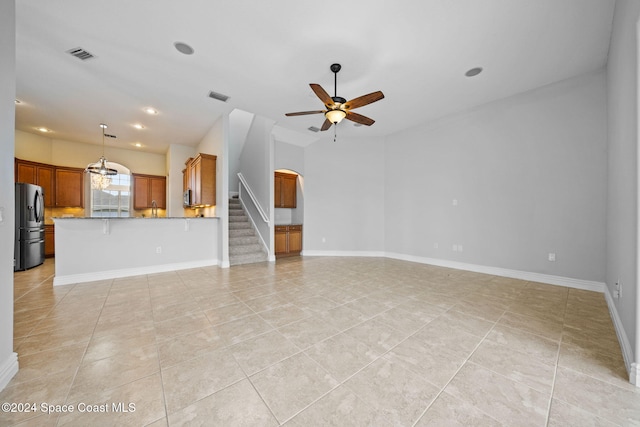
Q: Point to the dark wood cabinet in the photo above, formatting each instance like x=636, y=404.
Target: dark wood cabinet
x=63, y=187
x=288, y=240
x=39, y=174
x=285, y=187
x=49, y=240
x=200, y=178
x=69, y=187
x=147, y=188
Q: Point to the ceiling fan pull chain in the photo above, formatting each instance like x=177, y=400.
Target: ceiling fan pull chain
x=335, y=132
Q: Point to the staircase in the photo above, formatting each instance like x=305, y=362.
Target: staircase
x=244, y=244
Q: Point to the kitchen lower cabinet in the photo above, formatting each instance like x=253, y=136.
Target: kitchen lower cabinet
x=49, y=240
x=288, y=240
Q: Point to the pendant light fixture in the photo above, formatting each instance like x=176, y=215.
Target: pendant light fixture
x=100, y=172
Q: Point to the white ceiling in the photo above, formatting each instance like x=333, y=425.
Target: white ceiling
x=264, y=54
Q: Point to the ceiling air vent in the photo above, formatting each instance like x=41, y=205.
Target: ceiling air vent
x=314, y=129
x=110, y=136
x=218, y=96
x=80, y=53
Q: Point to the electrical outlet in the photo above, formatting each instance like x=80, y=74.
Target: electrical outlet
x=552, y=256
x=435, y=246
x=158, y=249
x=617, y=292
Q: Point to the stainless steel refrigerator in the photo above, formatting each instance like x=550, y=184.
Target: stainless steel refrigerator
x=29, y=240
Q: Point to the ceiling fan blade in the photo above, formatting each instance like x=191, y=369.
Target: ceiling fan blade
x=359, y=118
x=363, y=100
x=304, y=113
x=322, y=94
x=326, y=125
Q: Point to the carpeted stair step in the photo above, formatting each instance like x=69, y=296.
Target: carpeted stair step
x=247, y=258
x=237, y=225
x=252, y=248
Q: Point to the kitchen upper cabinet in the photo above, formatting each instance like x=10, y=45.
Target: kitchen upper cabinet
x=288, y=240
x=39, y=174
x=200, y=178
x=285, y=189
x=69, y=190
x=147, y=188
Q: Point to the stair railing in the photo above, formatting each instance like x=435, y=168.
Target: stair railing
x=256, y=204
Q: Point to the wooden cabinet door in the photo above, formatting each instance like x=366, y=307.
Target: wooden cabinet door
x=146, y=189
x=69, y=189
x=280, y=240
x=158, y=191
x=140, y=192
x=197, y=181
x=39, y=174
x=26, y=172
x=49, y=241
x=46, y=180
x=295, y=240
x=277, y=191
x=289, y=191
x=285, y=186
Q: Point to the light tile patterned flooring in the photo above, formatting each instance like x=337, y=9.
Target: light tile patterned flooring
x=317, y=342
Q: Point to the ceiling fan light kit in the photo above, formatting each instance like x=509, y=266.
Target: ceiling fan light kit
x=337, y=107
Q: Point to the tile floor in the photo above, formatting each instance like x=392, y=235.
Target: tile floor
x=317, y=342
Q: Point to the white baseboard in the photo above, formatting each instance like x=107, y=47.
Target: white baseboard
x=633, y=369
x=588, y=285
x=372, y=254
x=8, y=369
x=115, y=274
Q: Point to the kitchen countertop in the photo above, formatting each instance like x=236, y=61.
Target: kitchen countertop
x=137, y=217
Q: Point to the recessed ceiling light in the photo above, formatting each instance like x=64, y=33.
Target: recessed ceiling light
x=138, y=126
x=473, y=72
x=183, y=48
x=43, y=130
x=150, y=110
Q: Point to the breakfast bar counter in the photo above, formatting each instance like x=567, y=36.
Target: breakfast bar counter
x=90, y=249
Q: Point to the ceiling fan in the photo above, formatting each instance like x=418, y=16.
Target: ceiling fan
x=339, y=108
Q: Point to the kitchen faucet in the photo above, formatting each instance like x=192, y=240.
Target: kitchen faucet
x=154, y=209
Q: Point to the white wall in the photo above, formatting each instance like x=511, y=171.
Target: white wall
x=177, y=156
x=8, y=359
x=39, y=148
x=622, y=201
x=344, y=196
x=256, y=165
x=528, y=174
x=216, y=142
x=239, y=125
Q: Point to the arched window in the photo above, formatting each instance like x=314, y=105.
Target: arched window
x=115, y=199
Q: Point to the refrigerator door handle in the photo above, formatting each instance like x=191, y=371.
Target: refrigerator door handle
x=38, y=205
x=34, y=242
